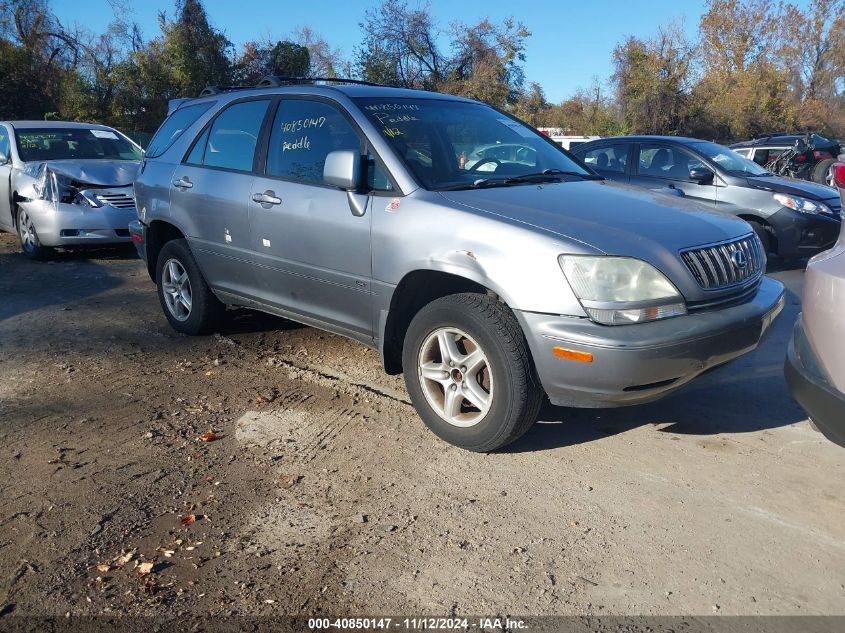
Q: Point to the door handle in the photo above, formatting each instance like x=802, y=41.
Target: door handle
x=267, y=198
x=183, y=183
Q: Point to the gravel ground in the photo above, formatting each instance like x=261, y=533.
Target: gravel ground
x=273, y=469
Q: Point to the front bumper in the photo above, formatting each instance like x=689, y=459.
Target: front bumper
x=632, y=364
x=803, y=234
x=138, y=235
x=65, y=224
x=807, y=380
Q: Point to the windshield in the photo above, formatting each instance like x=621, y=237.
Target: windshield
x=454, y=145
x=72, y=143
x=729, y=161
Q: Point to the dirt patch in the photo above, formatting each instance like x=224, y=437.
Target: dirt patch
x=320, y=491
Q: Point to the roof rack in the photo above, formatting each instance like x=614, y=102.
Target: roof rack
x=275, y=81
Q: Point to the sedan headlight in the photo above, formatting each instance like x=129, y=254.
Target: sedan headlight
x=803, y=205
x=621, y=290
x=54, y=187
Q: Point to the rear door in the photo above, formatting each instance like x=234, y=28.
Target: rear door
x=211, y=191
x=313, y=254
x=666, y=165
x=611, y=160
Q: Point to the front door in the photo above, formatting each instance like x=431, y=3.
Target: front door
x=659, y=166
x=5, y=180
x=312, y=253
x=210, y=195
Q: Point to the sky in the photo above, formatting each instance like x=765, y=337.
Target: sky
x=571, y=41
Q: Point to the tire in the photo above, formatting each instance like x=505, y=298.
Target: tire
x=186, y=300
x=822, y=172
x=28, y=237
x=763, y=234
x=479, y=327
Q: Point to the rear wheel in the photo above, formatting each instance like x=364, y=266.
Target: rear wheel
x=469, y=372
x=30, y=244
x=823, y=172
x=186, y=299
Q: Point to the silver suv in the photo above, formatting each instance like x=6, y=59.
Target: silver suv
x=355, y=209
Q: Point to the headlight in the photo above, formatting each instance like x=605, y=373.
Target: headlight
x=621, y=290
x=801, y=204
x=55, y=188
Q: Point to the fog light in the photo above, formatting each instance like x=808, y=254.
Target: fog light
x=69, y=232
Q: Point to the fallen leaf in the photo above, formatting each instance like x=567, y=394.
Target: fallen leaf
x=103, y=567
x=189, y=519
x=168, y=553
x=289, y=481
x=209, y=478
x=209, y=373
x=209, y=436
x=144, y=569
x=125, y=558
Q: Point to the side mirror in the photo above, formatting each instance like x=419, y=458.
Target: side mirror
x=701, y=175
x=3, y=158
x=342, y=169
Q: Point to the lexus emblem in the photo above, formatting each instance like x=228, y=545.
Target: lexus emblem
x=739, y=259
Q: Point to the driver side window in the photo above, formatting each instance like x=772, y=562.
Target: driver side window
x=5, y=149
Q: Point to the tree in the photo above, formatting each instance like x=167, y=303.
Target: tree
x=486, y=62
x=652, y=79
x=400, y=47
x=198, y=53
x=284, y=59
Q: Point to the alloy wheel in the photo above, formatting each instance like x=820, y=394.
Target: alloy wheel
x=455, y=376
x=176, y=288
x=26, y=231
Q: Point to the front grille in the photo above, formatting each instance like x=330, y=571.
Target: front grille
x=118, y=200
x=717, y=266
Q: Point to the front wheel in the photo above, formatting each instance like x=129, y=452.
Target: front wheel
x=186, y=299
x=763, y=235
x=30, y=244
x=469, y=372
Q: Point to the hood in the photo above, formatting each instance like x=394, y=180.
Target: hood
x=792, y=186
x=92, y=172
x=614, y=218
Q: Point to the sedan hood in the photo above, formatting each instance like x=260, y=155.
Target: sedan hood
x=614, y=218
x=92, y=172
x=792, y=186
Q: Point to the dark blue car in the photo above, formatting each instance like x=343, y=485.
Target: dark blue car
x=794, y=218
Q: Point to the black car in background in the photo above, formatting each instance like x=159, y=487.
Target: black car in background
x=816, y=163
x=793, y=218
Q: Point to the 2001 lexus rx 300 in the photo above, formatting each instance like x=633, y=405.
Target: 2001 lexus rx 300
x=354, y=209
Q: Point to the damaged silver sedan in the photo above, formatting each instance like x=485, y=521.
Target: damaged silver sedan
x=66, y=185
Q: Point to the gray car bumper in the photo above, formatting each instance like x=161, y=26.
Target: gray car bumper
x=76, y=225
x=632, y=364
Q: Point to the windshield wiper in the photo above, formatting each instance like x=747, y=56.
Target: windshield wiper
x=547, y=175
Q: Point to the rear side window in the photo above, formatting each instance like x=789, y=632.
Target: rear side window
x=231, y=140
x=173, y=127
x=606, y=158
x=304, y=133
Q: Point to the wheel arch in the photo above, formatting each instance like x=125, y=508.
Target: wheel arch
x=159, y=233
x=415, y=290
x=770, y=230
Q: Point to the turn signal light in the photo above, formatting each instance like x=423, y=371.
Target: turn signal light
x=571, y=354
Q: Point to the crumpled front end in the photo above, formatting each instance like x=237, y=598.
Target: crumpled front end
x=66, y=211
